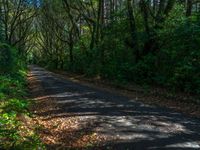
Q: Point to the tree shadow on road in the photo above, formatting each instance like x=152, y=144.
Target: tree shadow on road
x=126, y=124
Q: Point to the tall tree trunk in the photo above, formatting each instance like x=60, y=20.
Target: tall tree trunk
x=1, y=24
x=189, y=8
x=71, y=46
x=92, y=42
x=102, y=19
x=165, y=7
x=98, y=26
x=149, y=41
x=133, y=29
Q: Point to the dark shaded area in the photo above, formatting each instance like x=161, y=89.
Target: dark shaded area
x=133, y=124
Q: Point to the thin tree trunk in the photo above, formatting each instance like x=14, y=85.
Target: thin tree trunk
x=98, y=21
x=133, y=29
x=189, y=8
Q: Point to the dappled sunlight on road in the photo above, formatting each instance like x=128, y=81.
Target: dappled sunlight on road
x=119, y=121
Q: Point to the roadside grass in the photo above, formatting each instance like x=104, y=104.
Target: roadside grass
x=15, y=129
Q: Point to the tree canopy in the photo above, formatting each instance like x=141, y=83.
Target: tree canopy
x=142, y=41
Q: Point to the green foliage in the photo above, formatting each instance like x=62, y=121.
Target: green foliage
x=13, y=86
x=8, y=129
x=14, y=104
x=184, y=57
x=175, y=65
x=7, y=59
x=144, y=71
x=165, y=52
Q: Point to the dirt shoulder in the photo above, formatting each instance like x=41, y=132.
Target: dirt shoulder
x=180, y=102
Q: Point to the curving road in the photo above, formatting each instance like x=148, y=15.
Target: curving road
x=133, y=125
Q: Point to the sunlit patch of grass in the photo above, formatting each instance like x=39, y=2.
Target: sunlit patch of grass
x=16, y=106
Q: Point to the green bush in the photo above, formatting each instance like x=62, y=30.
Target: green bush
x=13, y=103
x=8, y=61
x=182, y=60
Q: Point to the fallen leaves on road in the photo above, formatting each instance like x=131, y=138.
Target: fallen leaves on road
x=58, y=130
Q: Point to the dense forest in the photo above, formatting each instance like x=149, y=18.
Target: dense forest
x=148, y=42
x=143, y=42
x=152, y=42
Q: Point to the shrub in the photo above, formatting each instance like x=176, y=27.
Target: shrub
x=7, y=59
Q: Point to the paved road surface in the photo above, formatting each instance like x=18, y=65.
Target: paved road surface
x=135, y=125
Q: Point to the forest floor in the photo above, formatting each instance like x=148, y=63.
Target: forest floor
x=74, y=114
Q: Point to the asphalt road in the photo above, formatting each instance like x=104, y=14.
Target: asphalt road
x=133, y=125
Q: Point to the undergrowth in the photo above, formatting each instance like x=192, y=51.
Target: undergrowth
x=14, y=133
